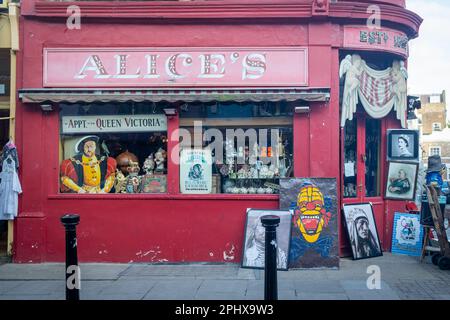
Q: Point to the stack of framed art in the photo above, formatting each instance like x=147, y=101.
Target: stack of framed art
x=403, y=157
x=307, y=236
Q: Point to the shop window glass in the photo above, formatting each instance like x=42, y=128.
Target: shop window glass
x=250, y=145
x=113, y=148
x=372, y=157
x=350, y=152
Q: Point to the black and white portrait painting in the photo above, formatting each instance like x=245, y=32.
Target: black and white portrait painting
x=401, y=181
x=362, y=231
x=403, y=145
x=254, y=240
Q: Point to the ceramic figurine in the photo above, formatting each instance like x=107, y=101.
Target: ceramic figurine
x=269, y=190
x=244, y=190
x=133, y=183
x=149, y=165
x=261, y=190
x=253, y=173
x=120, y=182
x=264, y=171
x=160, y=160
x=235, y=190
x=124, y=161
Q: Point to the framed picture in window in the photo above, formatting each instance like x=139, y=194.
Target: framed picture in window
x=362, y=231
x=403, y=145
x=401, y=180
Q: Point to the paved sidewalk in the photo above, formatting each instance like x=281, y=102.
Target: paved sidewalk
x=402, y=277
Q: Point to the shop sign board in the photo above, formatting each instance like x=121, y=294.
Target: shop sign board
x=196, y=171
x=114, y=123
x=385, y=39
x=175, y=67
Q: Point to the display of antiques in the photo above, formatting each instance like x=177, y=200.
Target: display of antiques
x=254, y=170
x=153, y=180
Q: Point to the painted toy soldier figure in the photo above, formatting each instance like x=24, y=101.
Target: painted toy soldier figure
x=88, y=171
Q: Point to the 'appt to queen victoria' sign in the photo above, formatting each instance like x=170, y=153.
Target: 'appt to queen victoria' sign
x=169, y=67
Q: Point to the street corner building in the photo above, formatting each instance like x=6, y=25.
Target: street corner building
x=118, y=102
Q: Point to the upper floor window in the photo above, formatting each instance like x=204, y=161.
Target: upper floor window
x=435, y=151
x=437, y=126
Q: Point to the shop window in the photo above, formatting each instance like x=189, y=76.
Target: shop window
x=249, y=145
x=113, y=148
x=350, y=151
x=435, y=151
x=372, y=157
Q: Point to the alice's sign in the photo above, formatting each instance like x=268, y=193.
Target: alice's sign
x=195, y=171
x=175, y=67
x=357, y=37
x=119, y=123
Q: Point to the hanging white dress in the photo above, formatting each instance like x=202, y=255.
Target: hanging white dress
x=10, y=189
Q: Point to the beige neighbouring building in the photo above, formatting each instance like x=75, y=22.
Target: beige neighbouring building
x=9, y=46
x=434, y=130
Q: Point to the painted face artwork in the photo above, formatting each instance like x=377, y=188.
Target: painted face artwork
x=89, y=149
x=311, y=216
x=362, y=227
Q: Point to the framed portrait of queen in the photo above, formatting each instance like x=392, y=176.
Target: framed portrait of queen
x=401, y=180
x=403, y=145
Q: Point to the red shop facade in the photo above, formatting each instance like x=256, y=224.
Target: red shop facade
x=136, y=73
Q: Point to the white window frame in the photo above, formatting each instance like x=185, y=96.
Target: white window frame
x=437, y=126
x=432, y=154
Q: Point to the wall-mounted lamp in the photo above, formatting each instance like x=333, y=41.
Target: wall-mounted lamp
x=302, y=109
x=46, y=107
x=170, y=112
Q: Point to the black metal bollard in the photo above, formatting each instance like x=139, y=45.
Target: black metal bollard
x=271, y=223
x=70, y=222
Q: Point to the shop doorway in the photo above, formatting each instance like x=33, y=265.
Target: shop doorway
x=362, y=167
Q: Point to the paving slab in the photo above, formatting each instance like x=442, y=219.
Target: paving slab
x=7, y=286
x=126, y=287
x=207, y=295
x=39, y=287
x=47, y=271
x=318, y=286
x=223, y=286
x=321, y=296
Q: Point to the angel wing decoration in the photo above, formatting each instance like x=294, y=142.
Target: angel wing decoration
x=399, y=90
x=351, y=67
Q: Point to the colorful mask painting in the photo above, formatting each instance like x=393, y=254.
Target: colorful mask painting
x=314, y=239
